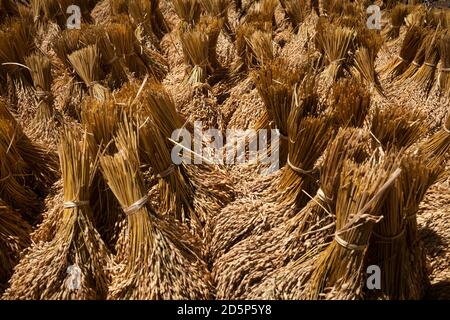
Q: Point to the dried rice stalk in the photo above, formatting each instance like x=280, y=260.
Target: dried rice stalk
x=335, y=41
x=425, y=76
x=397, y=19
x=157, y=259
x=44, y=272
x=175, y=192
x=307, y=139
x=219, y=9
x=196, y=54
x=398, y=126
x=364, y=67
x=411, y=43
x=444, y=75
x=252, y=50
x=261, y=254
x=276, y=87
x=395, y=246
x=338, y=271
x=87, y=65
x=418, y=61
x=42, y=80
x=350, y=103
x=296, y=10
x=122, y=37
x=67, y=42
x=14, y=237
x=436, y=147
x=187, y=10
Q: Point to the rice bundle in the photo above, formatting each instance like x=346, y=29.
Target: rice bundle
x=425, y=75
x=45, y=270
x=263, y=11
x=395, y=246
x=338, y=271
x=350, y=103
x=436, y=147
x=16, y=41
x=101, y=120
x=335, y=41
x=397, y=18
x=187, y=10
x=333, y=270
x=295, y=10
x=42, y=80
x=175, y=191
x=444, y=74
x=364, y=65
x=411, y=43
x=397, y=126
x=13, y=168
x=30, y=155
x=157, y=259
x=67, y=42
x=219, y=9
x=196, y=52
x=261, y=254
x=14, y=237
x=276, y=87
x=418, y=61
x=253, y=47
x=307, y=139
x=280, y=196
x=122, y=37
x=87, y=65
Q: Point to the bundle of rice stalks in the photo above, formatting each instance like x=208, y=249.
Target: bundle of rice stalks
x=276, y=87
x=157, y=259
x=187, y=10
x=262, y=11
x=425, y=75
x=253, y=47
x=39, y=163
x=338, y=271
x=334, y=270
x=395, y=246
x=397, y=19
x=196, y=54
x=16, y=41
x=57, y=10
x=259, y=255
x=67, y=42
x=307, y=139
x=411, y=43
x=14, y=237
x=397, y=126
x=436, y=147
x=40, y=70
x=45, y=272
x=219, y=9
x=159, y=104
x=444, y=74
x=364, y=68
x=86, y=63
x=350, y=103
x=211, y=26
x=335, y=41
x=296, y=11
x=101, y=120
x=122, y=37
x=278, y=196
x=418, y=60
x=175, y=191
